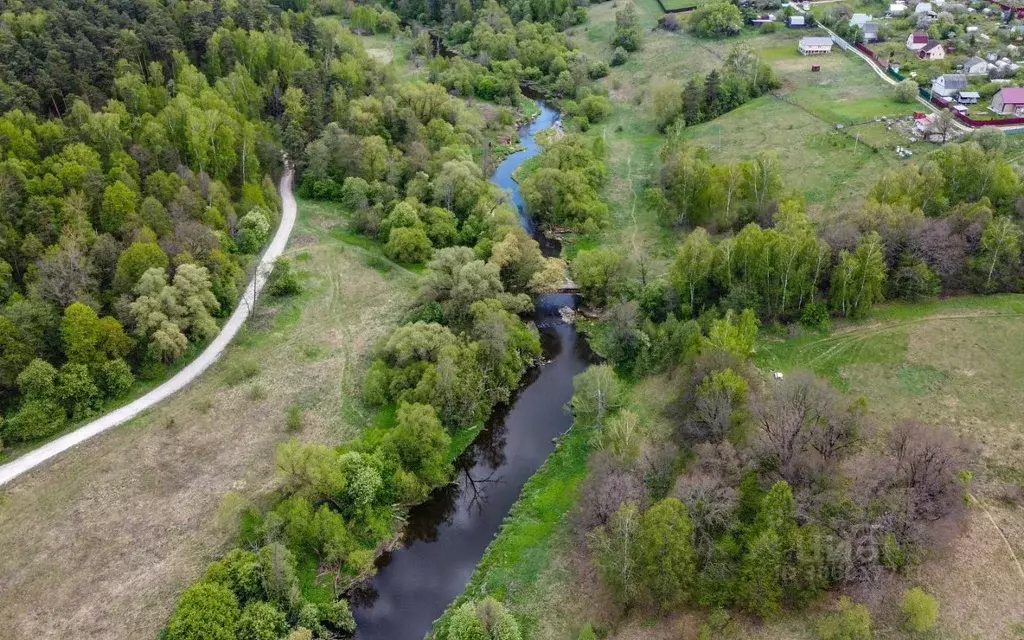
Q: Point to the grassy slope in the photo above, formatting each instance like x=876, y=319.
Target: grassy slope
x=831, y=168
x=99, y=543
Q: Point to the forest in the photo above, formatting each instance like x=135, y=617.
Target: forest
x=139, y=146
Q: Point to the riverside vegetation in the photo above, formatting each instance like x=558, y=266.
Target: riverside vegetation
x=754, y=496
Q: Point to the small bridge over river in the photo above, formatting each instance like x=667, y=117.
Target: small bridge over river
x=568, y=287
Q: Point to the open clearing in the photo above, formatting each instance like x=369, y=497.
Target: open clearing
x=831, y=168
x=98, y=543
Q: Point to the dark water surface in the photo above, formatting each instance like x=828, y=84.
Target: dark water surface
x=447, y=535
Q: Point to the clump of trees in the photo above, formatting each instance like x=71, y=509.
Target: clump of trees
x=562, y=188
x=743, y=77
x=485, y=619
x=716, y=18
x=783, y=498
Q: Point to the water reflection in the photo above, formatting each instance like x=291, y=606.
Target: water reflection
x=446, y=535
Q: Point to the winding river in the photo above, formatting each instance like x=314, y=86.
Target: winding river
x=446, y=536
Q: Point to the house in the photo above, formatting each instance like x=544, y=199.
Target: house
x=924, y=7
x=968, y=97
x=975, y=66
x=923, y=123
x=859, y=19
x=932, y=51
x=917, y=40
x=870, y=30
x=796, y=22
x=948, y=84
x=897, y=9
x=1008, y=100
x=815, y=45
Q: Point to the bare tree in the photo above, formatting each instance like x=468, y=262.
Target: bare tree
x=805, y=427
x=607, y=486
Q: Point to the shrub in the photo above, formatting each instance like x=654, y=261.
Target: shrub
x=293, y=419
x=206, y=611
x=261, y=621
x=283, y=281
x=619, y=57
x=815, y=316
x=920, y=610
x=851, y=622
x=406, y=244
x=906, y=91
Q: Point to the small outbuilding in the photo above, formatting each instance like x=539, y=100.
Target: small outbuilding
x=968, y=97
x=815, y=45
x=975, y=66
x=797, y=22
x=870, y=30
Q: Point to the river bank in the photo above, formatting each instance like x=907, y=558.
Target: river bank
x=446, y=536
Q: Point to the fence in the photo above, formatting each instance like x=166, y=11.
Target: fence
x=683, y=10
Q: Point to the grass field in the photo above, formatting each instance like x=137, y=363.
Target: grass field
x=831, y=168
x=98, y=543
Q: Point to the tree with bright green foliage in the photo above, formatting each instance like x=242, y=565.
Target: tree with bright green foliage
x=616, y=551
x=253, y=230
x=714, y=18
x=408, y=244
x=666, y=563
x=920, y=610
x=600, y=274
x=597, y=392
x=205, y=611
x=858, y=278
x=261, y=621
x=485, y=619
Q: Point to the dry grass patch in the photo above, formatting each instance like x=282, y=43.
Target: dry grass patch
x=99, y=543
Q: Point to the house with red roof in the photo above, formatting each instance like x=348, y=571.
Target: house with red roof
x=917, y=40
x=1008, y=100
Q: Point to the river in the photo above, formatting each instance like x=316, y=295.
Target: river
x=446, y=536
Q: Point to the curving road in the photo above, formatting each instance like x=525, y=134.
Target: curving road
x=202, y=362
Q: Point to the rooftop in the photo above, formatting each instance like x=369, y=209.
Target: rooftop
x=1012, y=95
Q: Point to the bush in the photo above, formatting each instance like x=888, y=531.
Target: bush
x=406, y=244
x=851, y=622
x=206, y=611
x=36, y=419
x=815, y=316
x=114, y=378
x=283, y=281
x=920, y=610
x=293, y=419
x=619, y=57
x=906, y=91
x=261, y=621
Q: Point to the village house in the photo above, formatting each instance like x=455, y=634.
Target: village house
x=924, y=123
x=797, y=22
x=859, y=19
x=924, y=8
x=975, y=66
x=1008, y=100
x=948, y=84
x=917, y=40
x=968, y=97
x=870, y=30
x=815, y=45
x=932, y=51
x=897, y=9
